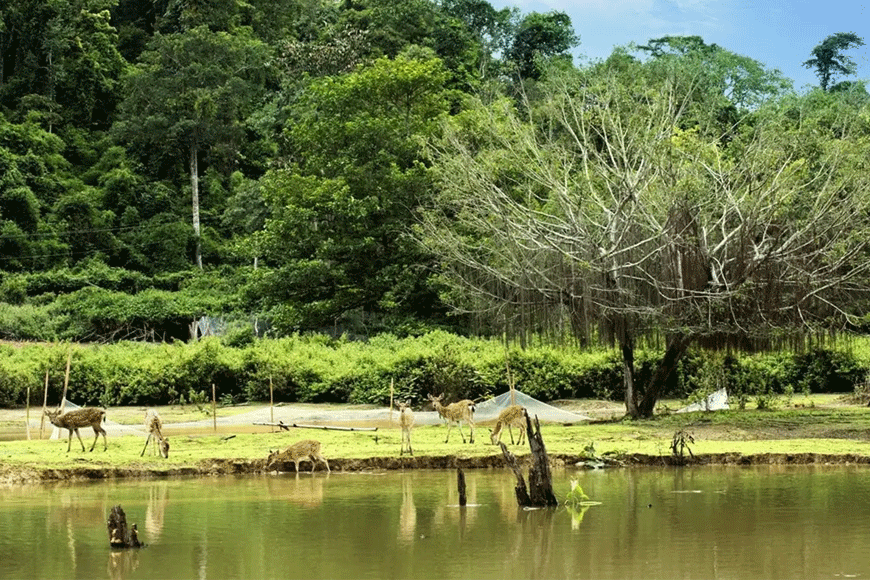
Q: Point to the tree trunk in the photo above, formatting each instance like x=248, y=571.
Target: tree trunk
x=677, y=347
x=627, y=345
x=194, y=187
x=120, y=536
x=539, y=492
x=540, y=478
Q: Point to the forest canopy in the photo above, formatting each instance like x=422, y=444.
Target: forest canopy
x=365, y=166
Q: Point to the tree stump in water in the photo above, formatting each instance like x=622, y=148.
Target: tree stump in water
x=539, y=492
x=119, y=535
x=460, y=483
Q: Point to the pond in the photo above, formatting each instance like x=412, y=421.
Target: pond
x=710, y=522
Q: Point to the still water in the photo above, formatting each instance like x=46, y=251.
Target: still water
x=726, y=522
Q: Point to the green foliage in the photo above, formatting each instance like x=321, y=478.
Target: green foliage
x=318, y=369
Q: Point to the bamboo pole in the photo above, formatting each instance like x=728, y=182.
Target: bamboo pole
x=213, y=408
x=27, y=415
x=510, y=377
x=271, y=403
x=66, y=379
x=44, y=406
x=392, y=384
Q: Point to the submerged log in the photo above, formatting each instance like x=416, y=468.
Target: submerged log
x=520, y=489
x=460, y=482
x=119, y=535
x=539, y=492
x=540, y=477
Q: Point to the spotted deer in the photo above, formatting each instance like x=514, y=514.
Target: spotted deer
x=513, y=416
x=84, y=417
x=406, y=422
x=306, y=449
x=154, y=426
x=455, y=413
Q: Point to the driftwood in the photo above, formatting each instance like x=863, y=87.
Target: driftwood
x=119, y=535
x=324, y=427
x=539, y=492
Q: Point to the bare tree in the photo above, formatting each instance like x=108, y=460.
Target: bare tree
x=613, y=209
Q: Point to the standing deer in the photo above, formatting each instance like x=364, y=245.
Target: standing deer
x=406, y=422
x=456, y=413
x=84, y=417
x=513, y=416
x=306, y=449
x=154, y=426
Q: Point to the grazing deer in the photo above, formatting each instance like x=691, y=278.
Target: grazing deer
x=456, y=413
x=306, y=449
x=513, y=416
x=84, y=417
x=154, y=426
x=406, y=422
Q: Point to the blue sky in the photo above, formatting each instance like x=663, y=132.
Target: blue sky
x=778, y=33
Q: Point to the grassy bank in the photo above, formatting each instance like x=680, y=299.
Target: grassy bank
x=818, y=428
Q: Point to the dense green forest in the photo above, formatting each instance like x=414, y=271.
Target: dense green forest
x=276, y=167
x=260, y=162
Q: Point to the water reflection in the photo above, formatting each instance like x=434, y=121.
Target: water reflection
x=664, y=523
x=122, y=563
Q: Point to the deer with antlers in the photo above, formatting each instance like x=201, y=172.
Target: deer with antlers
x=72, y=421
x=154, y=426
x=406, y=422
x=306, y=449
x=513, y=416
x=458, y=412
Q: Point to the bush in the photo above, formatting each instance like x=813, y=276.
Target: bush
x=316, y=368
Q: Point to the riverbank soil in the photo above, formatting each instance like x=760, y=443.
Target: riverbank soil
x=815, y=429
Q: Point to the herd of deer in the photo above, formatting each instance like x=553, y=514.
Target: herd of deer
x=93, y=417
x=454, y=413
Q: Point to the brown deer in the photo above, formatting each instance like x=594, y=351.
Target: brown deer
x=455, y=413
x=406, y=422
x=513, y=416
x=154, y=426
x=84, y=417
x=306, y=449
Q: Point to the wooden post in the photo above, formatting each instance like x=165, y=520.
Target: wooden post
x=27, y=416
x=44, y=405
x=460, y=482
x=213, y=408
x=271, y=403
x=66, y=379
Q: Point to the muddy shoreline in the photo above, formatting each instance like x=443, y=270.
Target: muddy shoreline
x=12, y=475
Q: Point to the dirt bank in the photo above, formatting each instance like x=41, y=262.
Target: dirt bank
x=221, y=467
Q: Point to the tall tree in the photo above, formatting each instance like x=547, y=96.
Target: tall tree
x=340, y=212
x=599, y=212
x=191, y=91
x=829, y=59
x=540, y=37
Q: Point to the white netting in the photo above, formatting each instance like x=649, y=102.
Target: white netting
x=366, y=416
x=112, y=428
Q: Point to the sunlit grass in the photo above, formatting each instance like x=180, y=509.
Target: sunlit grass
x=809, y=428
